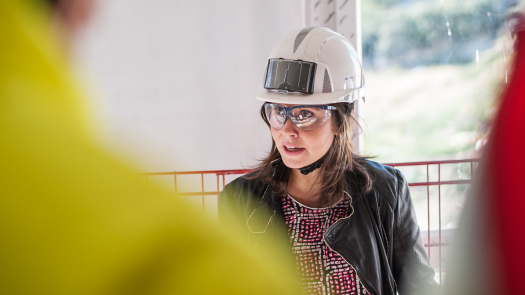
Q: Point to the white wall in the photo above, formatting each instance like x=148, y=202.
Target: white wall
x=176, y=78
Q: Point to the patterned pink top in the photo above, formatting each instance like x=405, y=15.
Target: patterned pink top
x=322, y=270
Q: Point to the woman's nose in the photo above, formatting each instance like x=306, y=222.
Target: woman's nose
x=289, y=128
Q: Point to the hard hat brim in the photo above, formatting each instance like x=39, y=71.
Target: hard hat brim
x=347, y=96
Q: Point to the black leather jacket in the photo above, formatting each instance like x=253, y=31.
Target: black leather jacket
x=380, y=239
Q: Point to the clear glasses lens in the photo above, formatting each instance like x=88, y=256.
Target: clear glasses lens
x=275, y=115
x=305, y=118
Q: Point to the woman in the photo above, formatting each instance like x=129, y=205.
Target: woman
x=349, y=221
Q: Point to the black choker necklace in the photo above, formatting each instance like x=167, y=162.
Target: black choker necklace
x=307, y=169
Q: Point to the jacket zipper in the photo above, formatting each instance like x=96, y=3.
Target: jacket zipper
x=270, y=221
x=324, y=239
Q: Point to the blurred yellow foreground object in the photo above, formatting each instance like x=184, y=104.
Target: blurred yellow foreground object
x=74, y=220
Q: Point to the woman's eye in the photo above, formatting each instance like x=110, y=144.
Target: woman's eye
x=279, y=112
x=304, y=113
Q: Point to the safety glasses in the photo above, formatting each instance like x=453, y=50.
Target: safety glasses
x=305, y=117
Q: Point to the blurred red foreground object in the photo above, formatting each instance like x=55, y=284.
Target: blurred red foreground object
x=505, y=176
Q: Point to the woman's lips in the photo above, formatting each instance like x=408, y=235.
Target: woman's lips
x=292, y=150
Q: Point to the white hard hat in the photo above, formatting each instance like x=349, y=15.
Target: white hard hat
x=313, y=66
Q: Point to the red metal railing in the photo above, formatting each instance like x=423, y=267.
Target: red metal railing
x=202, y=193
x=438, y=183
x=418, y=175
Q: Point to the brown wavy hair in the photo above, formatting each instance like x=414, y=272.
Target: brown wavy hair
x=342, y=169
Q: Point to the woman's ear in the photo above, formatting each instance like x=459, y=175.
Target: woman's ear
x=337, y=123
x=349, y=107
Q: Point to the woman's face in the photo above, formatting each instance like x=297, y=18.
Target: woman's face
x=299, y=148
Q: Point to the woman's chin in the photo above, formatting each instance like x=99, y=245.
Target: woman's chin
x=294, y=164
x=291, y=164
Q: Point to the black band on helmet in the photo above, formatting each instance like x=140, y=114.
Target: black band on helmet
x=290, y=75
